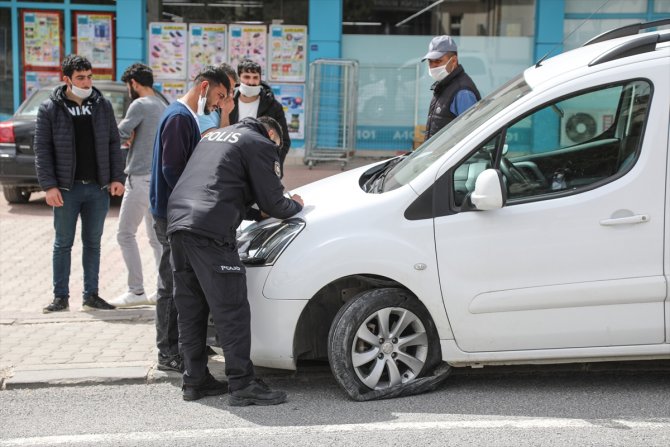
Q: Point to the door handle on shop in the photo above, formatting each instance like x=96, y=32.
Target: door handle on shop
x=628, y=220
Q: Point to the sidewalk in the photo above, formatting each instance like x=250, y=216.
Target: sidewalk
x=77, y=347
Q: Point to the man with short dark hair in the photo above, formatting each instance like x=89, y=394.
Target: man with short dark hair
x=79, y=164
x=453, y=90
x=216, y=119
x=254, y=98
x=241, y=165
x=139, y=128
x=177, y=135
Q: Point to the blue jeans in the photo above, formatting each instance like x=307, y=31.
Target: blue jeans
x=91, y=203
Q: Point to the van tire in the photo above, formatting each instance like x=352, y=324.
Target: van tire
x=364, y=308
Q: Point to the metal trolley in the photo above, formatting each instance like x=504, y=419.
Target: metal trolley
x=331, y=113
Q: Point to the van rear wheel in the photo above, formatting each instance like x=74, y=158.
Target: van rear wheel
x=380, y=339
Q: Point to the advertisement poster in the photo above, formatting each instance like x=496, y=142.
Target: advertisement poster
x=207, y=46
x=292, y=98
x=41, y=39
x=172, y=90
x=94, y=38
x=167, y=50
x=36, y=79
x=248, y=42
x=288, y=47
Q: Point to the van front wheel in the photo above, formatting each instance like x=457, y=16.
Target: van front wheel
x=380, y=339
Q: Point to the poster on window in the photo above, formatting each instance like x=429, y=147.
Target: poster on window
x=168, y=50
x=292, y=99
x=172, y=90
x=288, y=46
x=206, y=46
x=94, y=38
x=41, y=39
x=248, y=42
x=34, y=80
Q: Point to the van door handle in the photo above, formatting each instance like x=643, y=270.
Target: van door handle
x=628, y=220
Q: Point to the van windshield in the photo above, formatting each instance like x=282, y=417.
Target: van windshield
x=463, y=125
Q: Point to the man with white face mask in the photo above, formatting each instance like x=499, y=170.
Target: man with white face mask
x=453, y=90
x=176, y=138
x=254, y=99
x=79, y=164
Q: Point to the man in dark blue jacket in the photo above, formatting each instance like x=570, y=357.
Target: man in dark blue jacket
x=176, y=137
x=453, y=91
x=79, y=164
x=230, y=170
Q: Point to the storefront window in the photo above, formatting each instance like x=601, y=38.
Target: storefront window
x=512, y=18
x=291, y=12
x=662, y=6
x=591, y=6
x=97, y=2
x=6, y=85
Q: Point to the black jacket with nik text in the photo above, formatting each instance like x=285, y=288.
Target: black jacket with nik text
x=230, y=170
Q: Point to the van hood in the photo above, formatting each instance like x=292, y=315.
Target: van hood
x=333, y=195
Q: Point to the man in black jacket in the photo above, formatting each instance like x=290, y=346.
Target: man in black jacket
x=241, y=166
x=79, y=164
x=254, y=98
x=453, y=90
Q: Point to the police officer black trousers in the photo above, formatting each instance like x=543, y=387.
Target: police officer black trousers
x=208, y=275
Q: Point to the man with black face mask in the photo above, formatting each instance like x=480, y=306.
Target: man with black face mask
x=254, y=98
x=139, y=125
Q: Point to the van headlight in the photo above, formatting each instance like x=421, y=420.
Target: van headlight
x=262, y=245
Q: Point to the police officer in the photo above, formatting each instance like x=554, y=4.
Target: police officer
x=230, y=170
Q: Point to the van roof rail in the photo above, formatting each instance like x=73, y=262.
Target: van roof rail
x=643, y=44
x=628, y=30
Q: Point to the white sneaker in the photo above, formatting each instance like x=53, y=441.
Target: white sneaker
x=129, y=299
x=152, y=299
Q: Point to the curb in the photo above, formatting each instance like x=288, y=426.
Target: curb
x=43, y=376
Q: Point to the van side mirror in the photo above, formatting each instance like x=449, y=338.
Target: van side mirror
x=490, y=192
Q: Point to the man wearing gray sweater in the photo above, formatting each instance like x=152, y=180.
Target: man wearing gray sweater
x=139, y=128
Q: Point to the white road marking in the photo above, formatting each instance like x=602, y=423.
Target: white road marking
x=260, y=431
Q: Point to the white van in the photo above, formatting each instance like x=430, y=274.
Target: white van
x=500, y=240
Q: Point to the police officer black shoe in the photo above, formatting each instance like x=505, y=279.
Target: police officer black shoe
x=59, y=304
x=209, y=387
x=256, y=393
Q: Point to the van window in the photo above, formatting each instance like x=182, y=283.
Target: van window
x=575, y=143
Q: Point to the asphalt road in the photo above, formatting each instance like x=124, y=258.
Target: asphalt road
x=548, y=406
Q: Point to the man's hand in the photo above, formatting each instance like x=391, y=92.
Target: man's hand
x=226, y=107
x=54, y=197
x=116, y=188
x=297, y=198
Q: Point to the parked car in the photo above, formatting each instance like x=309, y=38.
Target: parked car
x=495, y=242
x=17, y=158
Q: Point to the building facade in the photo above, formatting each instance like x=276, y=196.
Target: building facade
x=497, y=39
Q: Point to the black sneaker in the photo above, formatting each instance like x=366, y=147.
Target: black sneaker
x=209, y=387
x=94, y=302
x=173, y=363
x=256, y=393
x=59, y=304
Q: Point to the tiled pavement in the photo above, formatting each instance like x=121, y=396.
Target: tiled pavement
x=39, y=349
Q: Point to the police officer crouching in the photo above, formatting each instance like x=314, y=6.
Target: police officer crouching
x=231, y=169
